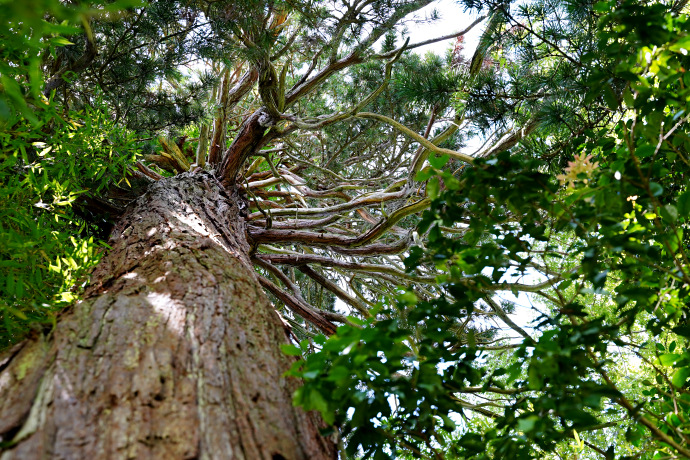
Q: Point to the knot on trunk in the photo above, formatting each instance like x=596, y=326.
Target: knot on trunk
x=266, y=120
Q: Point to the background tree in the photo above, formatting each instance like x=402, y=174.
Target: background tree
x=602, y=369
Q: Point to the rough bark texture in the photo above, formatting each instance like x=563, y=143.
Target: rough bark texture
x=173, y=353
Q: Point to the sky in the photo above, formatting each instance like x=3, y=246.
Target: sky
x=452, y=19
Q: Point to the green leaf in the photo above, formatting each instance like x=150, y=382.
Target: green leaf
x=603, y=7
x=656, y=189
x=408, y=297
x=668, y=359
x=682, y=43
x=438, y=162
x=433, y=187
x=680, y=376
x=448, y=423
x=60, y=41
x=356, y=320
x=318, y=402
x=535, y=378
x=592, y=400
x=610, y=97
x=683, y=204
x=290, y=349
x=527, y=424
x=339, y=374
x=669, y=213
x=18, y=313
x=425, y=174
x=645, y=150
x=683, y=330
x=311, y=375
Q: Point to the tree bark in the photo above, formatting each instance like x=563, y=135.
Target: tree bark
x=173, y=353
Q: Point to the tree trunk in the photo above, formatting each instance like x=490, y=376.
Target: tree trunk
x=173, y=353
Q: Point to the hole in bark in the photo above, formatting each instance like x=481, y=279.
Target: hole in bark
x=239, y=347
x=11, y=432
x=10, y=356
x=255, y=397
x=277, y=457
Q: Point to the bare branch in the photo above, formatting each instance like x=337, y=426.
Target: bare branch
x=375, y=249
x=408, y=132
x=229, y=98
x=301, y=259
x=299, y=223
x=334, y=118
x=317, y=318
x=148, y=171
x=505, y=318
x=386, y=224
x=502, y=391
x=304, y=88
x=525, y=287
x=370, y=198
x=435, y=40
x=335, y=289
x=511, y=138
x=272, y=235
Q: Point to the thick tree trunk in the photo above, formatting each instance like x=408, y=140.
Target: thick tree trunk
x=173, y=353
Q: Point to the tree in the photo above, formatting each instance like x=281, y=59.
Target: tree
x=604, y=365
x=321, y=157
x=174, y=349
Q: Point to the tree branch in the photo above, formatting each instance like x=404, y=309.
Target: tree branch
x=334, y=118
x=85, y=60
x=408, y=132
x=371, y=198
x=375, y=249
x=317, y=318
x=229, y=98
x=435, y=40
x=511, y=138
x=301, y=259
x=505, y=318
x=335, y=289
